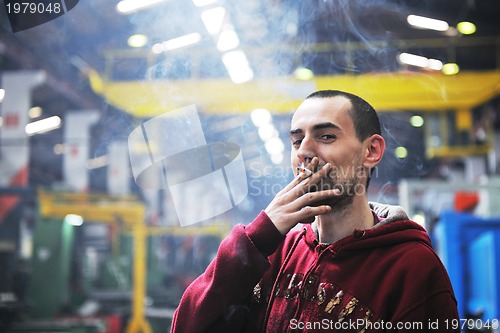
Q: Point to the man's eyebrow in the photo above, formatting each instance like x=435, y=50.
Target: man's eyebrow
x=316, y=127
x=325, y=125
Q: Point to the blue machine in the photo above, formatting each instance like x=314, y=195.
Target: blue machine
x=469, y=247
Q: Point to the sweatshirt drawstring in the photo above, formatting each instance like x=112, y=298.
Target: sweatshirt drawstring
x=280, y=272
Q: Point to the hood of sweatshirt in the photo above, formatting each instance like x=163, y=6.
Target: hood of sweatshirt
x=393, y=227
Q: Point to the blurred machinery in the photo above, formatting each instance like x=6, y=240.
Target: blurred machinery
x=470, y=249
x=463, y=219
x=114, y=273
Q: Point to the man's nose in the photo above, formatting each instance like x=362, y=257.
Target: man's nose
x=306, y=151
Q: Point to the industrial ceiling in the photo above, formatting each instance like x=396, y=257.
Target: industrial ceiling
x=329, y=37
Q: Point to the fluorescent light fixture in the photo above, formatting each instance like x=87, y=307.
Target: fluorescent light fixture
x=274, y=146
x=435, y=64
x=213, y=19
x=260, y=117
x=2, y=94
x=237, y=66
x=177, y=43
x=419, y=61
x=130, y=6
x=42, y=126
x=466, y=28
x=427, y=23
x=267, y=132
x=277, y=158
x=228, y=40
x=203, y=3
x=412, y=59
x=137, y=40
x=73, y=219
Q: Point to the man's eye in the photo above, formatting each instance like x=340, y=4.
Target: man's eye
x=296, y=143
x=328, y=137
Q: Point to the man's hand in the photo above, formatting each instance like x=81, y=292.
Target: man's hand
x=294, y=204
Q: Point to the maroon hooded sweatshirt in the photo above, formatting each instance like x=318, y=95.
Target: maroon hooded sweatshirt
x=386, y=278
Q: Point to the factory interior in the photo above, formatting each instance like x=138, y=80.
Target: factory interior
x=110, y=109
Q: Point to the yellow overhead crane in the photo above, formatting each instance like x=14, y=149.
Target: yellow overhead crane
x=130, y=213
x=385, y=91
x=430, y=92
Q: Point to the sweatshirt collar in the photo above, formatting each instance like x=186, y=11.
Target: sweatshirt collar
x=383, y=214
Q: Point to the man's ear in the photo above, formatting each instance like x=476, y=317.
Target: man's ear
x=374, y=150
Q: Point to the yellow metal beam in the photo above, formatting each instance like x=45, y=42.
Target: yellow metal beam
x=92, y=207
x=386, y=92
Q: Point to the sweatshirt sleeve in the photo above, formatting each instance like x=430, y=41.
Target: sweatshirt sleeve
x=429, y=298
x=229, y=280
x=439, y=312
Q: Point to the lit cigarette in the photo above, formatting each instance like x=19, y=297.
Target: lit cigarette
x=302, y=169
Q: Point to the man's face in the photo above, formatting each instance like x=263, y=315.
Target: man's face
x=322, y=127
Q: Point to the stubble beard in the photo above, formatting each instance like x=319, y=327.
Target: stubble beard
x=349, y=187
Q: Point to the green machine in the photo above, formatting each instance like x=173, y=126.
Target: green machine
x=48, y=288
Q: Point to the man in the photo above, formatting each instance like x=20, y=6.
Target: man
x=355, y=266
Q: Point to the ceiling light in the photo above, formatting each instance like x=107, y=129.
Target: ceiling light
x=419, y=61
x=419, y=219
x=450, y=69
x=427, y=23
x=42, y=126
x=73, y=219
x=130, y=6
x=260, y=117
x=2, y=94
x=267, y=132
x=302, y=73
x=177, y=43
x=237, y=66
x=35, y=112
x=274, y=146
x=203, y=3
x=137, y=40
x=412, y=59
x=277, y=158
x=58, y=149
x=228, y=40
x=466, y=28
x=417, y=121
x=434, y=64
x=213, y=19
x=401, y=152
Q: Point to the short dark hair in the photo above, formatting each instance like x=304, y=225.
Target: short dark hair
x=363, y=115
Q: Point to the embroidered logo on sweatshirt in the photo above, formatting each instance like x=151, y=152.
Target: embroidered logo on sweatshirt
x=316, y=299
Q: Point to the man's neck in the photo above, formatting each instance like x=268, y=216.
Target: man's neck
x=339, y=224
